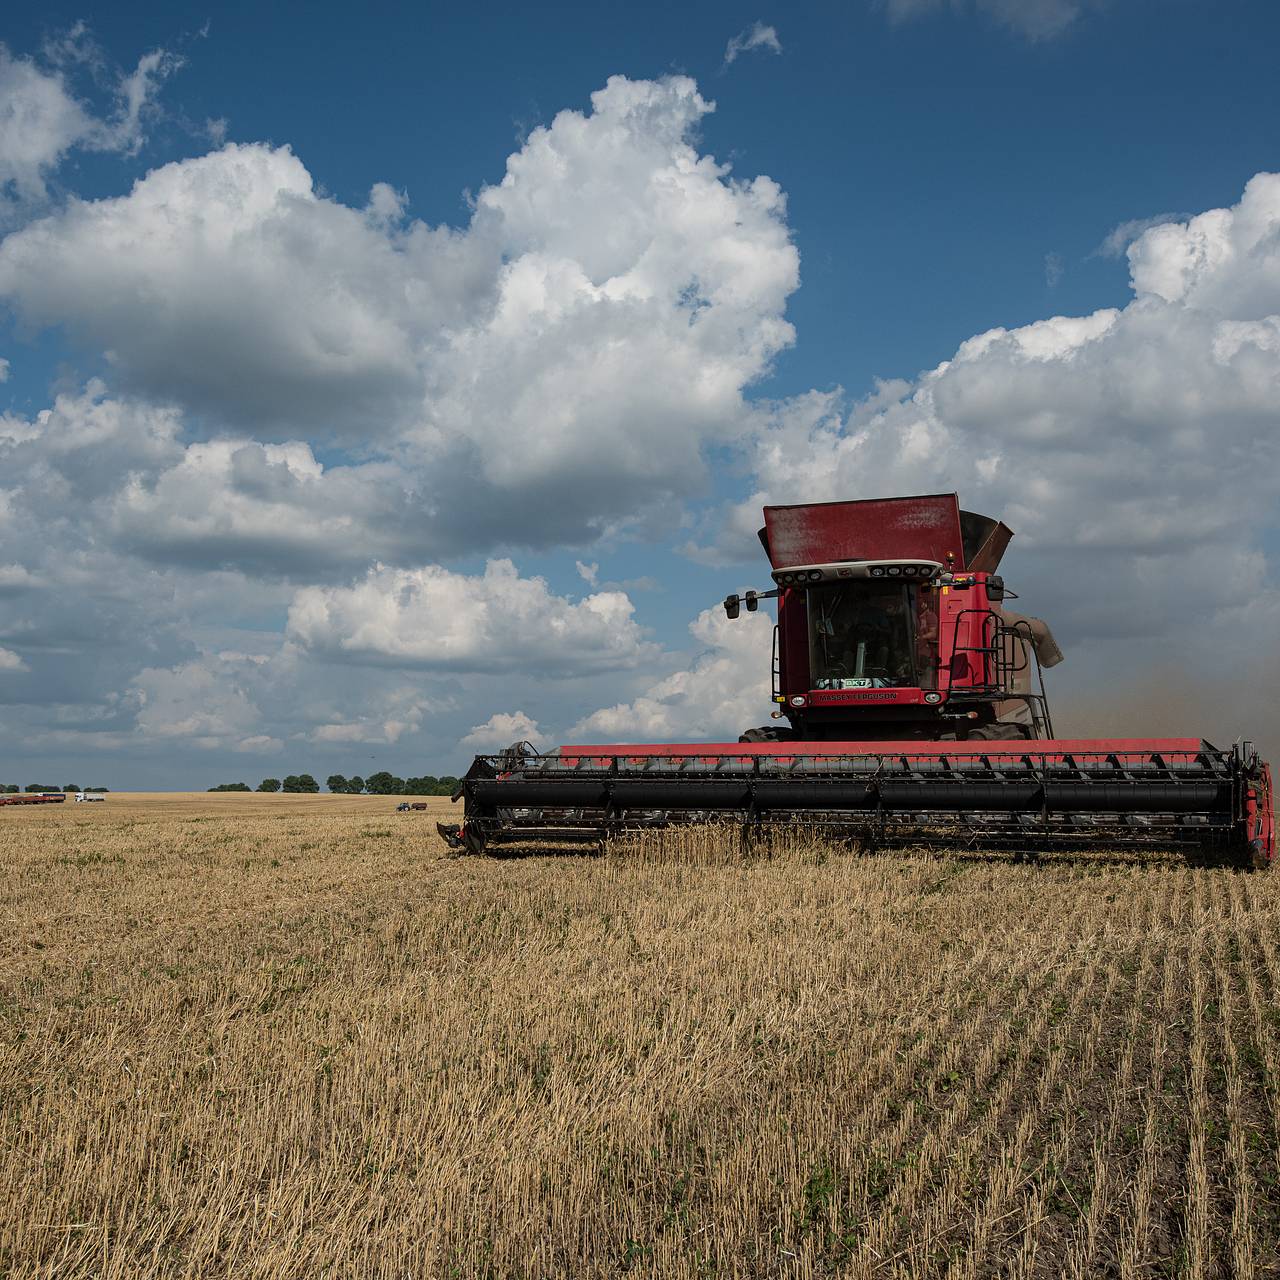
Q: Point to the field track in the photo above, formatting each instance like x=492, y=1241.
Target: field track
x=287, y=1036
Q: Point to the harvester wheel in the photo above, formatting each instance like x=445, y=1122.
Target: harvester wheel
x=461, y=838
x=765, y=733
x=997, y=733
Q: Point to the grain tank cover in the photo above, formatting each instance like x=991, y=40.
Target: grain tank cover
x=921, y=528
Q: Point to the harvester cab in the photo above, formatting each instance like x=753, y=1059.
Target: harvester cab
x=915, y=714
x=892, y=626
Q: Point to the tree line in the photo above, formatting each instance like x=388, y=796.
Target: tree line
x=12, y=788
x=376, y=784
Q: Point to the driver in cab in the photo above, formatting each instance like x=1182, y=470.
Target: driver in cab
x=877, y=634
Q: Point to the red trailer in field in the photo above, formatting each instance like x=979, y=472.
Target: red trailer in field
x=909, y=706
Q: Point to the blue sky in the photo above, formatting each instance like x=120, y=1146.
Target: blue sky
x=930, y=164
x=947, y=169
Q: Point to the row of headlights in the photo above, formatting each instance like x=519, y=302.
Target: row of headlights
x=904, y=571
x=799, y=577
x=805, y=575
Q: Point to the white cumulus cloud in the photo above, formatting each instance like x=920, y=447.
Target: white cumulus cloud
x=724, y=691
x=1132, y=450
x=10, y=661
x=432, y=618
x=397, y=711
x=198, y=702
x=565, y=358
x=42, y=118
x=503, y=729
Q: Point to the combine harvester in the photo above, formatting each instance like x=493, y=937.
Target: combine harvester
x=915, y=713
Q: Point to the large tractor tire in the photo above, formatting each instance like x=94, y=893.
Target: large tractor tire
x=765, y=733
x=998, y=733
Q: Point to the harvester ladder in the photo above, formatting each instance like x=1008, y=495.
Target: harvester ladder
x=1006, y=651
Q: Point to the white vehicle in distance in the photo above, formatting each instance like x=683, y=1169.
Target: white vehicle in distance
x=82, y=796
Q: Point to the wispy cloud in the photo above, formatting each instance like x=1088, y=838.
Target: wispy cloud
x=1035, y=19
x=1121, y=237
x=10, y=661
x=1053, y=269
x=43, y=117
x=757, y=37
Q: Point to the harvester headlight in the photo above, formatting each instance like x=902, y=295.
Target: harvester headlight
x=877, y=572
x=909, y=570
x=797, y=700
x=815, y=575
x=932, y=698
x=893, y=571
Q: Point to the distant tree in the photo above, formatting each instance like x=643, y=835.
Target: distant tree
x=355, y=785
x=72, y=786
x=336, y=783
x=290, y=783
x=384, y=784
x=10, y=788
x=429, y=785
x=231, y=786
x=97, y=791
x=307, y=783
x=40, y=786
x=269, y=784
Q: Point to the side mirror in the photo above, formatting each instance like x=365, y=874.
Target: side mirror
x=753, y=602
x=731, y=606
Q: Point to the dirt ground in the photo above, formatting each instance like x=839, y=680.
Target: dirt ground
x=289, y=1036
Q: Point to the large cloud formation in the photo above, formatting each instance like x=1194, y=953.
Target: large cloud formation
x=563, y=360
x=1133, y=450
x=240, y=538
x=308, y=405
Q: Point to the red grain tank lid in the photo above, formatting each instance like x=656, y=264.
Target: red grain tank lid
x=924, y=528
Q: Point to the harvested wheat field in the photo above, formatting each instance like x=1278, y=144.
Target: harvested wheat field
x=289, y=1037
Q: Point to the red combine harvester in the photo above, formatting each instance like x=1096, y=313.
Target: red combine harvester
x=911, y=709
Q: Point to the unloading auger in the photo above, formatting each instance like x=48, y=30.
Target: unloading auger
x=910, y=708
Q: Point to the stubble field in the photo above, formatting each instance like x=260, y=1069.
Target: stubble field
x=289, y=1037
